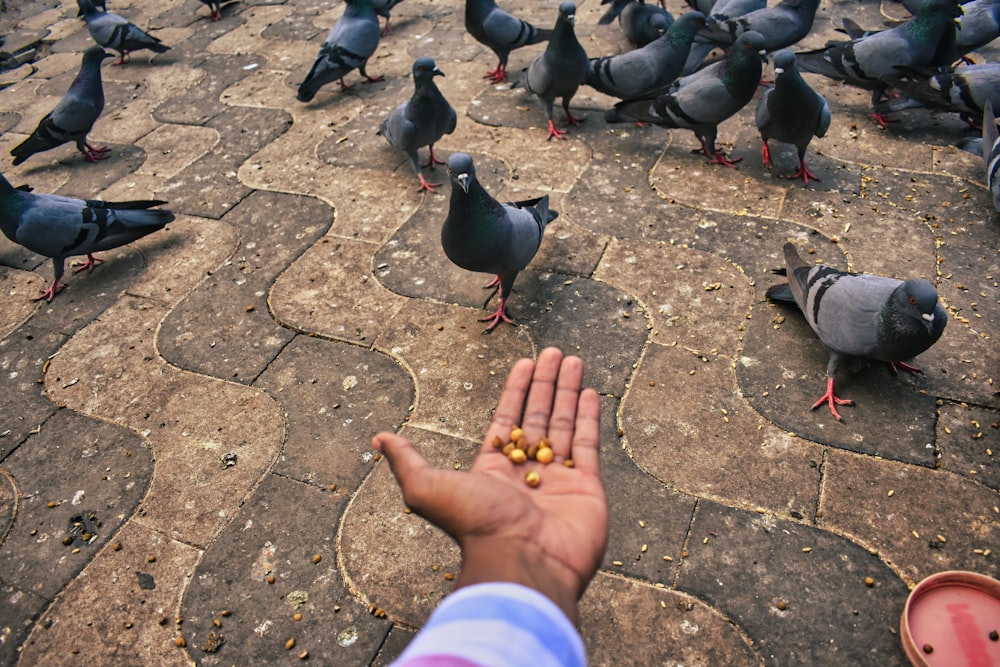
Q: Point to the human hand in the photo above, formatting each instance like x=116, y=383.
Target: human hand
x=550, y=537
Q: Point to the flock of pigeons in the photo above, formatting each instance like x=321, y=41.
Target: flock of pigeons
x=666, y=80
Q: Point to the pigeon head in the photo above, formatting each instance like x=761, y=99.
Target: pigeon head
x=567, y=11
x=950, y=7
x=918, y=299
x=461, y=171
x=784, y=61
x=95, y=54
x=659, y=23
x=751, y=40
x=425, y=69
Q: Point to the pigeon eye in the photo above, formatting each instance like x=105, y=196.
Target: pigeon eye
x=913, y=301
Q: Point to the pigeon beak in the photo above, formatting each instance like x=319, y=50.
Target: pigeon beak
x=463, y=180
x=437, y=72
x=778, y=70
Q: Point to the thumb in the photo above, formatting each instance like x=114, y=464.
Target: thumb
x=412, y=471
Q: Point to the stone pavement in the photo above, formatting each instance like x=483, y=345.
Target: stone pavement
x=185, y=472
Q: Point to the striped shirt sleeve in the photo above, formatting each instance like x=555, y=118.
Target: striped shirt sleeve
x=496, y=625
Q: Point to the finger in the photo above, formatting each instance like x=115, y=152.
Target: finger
x=411, y=470
x=587, y=437
x=562, y=423
x=538, y=409
x=511, y=403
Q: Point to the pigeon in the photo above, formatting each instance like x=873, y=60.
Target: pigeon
x=74, y=115
x=722, y=11
x=351, y=42
x=860, y=315
x=115, y=32
x=560, y=69
x=702, y=100
x=979, y=25
x=216, y=8
x=500, y=32
x=641, y=23
x=782, y=25
x=962, y=90
x=59, y=227
x=422, y=120
x=481, y=234
x=991, y=153
x=928, y=39
x=646, y=70
x=100, y=4
x=384, y=8
x=791, y=112
x=703, y=6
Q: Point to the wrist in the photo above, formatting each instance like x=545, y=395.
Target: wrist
x=494, y=559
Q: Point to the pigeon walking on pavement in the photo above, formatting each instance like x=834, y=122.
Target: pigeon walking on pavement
x=702, y=100
x=644, y=71
x=991, y=153
x=640, y=23
x=792, y=113
x=722, y=11
x=500, y=32
x=926, y=40
x=421, y=120
x=351, y=42
x=481, y=234
x=560, y=69
x=74, y=116
x=964, y=90
x=782, y=25
x=857, y=315
x=116, y=32
x=59, y=227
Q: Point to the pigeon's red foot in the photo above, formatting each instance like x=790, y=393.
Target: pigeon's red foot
x=88, y=265
x=573, y=120
x=216, y=16
x=893, y=365
x=344, y=85
x=831, y=399
x=718, y=157
x=555, y=132
x=50, y=293
x=881, y=119
x=804, y=173
x=492, y=283
x=433, y=160
x=123, y=58
x=765, y=155
x=498, y=75
x=425, y=185
x=386, y=30
x=499, y=316
x=374, y=79
x=95, y=153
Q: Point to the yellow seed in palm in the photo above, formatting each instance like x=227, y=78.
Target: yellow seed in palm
x=516, y=434
x=544, y=455
x=518, y=456
x=532, y=479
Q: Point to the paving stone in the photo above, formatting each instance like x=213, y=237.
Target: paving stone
x=927, y=502
x=135, y=614
x=20, y=287
x=201, y=102
x=8, y=503
x=395, y=642
x=796, y=607
x=279, y=534
x=336, y=407
x=79, y=480
x=224, y=329
x=23, y=404
x=618, y=617
x=19, y=611
x=968, y=440
x=171, y=148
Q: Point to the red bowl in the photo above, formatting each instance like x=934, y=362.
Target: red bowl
x=952, y=619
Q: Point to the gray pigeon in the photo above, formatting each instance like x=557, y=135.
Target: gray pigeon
x=979, y=25
x=792, y=113
x=859, y=315
x=928, y=39
x=963, y=90
x=384, y=8
x=101, y=4
x=59, y=227
x=351, y=42
x=115, y=32
x=422, y=120
x=500, y=32
x=560, y=69
x=644, y=71
x=782, y=25
x=991, y=153
x=481, y=234
x=722, y=11
x=74, y=115
x=640, y=23
x=704, y=99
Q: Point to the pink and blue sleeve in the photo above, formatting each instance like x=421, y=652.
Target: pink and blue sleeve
x=496, y=625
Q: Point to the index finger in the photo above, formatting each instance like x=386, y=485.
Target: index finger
x=510, y=405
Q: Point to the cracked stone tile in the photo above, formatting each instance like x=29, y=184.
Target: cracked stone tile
x=618, y=615
x=79, y=480
x=278, y=534
x=968, y=439
x=312, y=295
x=224, y=329
x=698, y=435
x=8, y=504
x=122, y=379
x=171, y=148
x=798, y=593
x=23, y=404
x=335, y=407
x=204, y=101
x=396, y=641
x=457, y=396
x=904, y=526
x=19, y=287
x=249, y=39
x=141, y=586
